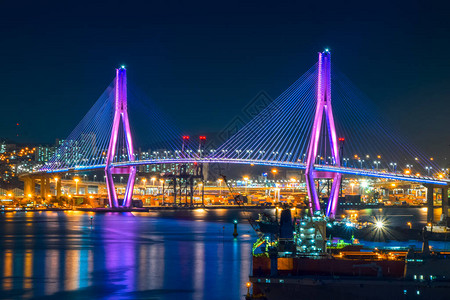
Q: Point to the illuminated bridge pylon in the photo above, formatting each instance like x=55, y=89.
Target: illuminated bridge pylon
x=323, y=107
x=120, y=115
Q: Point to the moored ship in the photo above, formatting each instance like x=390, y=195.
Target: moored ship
x=296, y=261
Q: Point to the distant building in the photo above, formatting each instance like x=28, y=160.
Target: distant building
x=43, y=153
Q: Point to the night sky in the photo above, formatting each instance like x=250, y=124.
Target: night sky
x=213, y=58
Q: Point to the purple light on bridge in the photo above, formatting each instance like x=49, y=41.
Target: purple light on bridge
x=120, y=114
x=323, y=104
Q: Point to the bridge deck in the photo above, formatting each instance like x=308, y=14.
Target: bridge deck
x=295, y=165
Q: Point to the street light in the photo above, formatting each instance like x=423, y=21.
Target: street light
x=346, y=162
x=377, y=162
x=162, y=184
x=246, y=182
x=394, y=167
x=56, y=185
x=144, y=181
x=220, y=186
x=76, y=185
x=292, y=183
x=274, y=172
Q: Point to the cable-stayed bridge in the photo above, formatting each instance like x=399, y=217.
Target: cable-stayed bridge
x=321, y=123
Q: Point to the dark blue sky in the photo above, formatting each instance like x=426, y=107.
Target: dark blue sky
x=213, y=58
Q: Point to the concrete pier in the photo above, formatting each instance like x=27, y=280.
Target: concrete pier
x=430, y=201
x=58, y=188
x=445, y=201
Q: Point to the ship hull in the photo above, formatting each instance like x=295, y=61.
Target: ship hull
x=317, y=288
x=390, y=233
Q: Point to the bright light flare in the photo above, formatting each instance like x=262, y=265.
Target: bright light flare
x=379, y=224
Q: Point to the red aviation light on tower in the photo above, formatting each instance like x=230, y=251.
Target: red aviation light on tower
x=341, y=139
x=185, y=137
x=202, y=138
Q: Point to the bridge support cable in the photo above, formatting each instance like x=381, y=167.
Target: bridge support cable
x=371, y=140
x=86, y=145
x=154, y=131
x=280, y=131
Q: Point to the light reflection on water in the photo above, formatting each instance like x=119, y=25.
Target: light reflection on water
x=170, y=255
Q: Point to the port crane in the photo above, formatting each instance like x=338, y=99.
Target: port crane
x=238, y=198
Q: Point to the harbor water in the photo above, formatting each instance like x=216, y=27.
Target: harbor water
x=173, y=254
